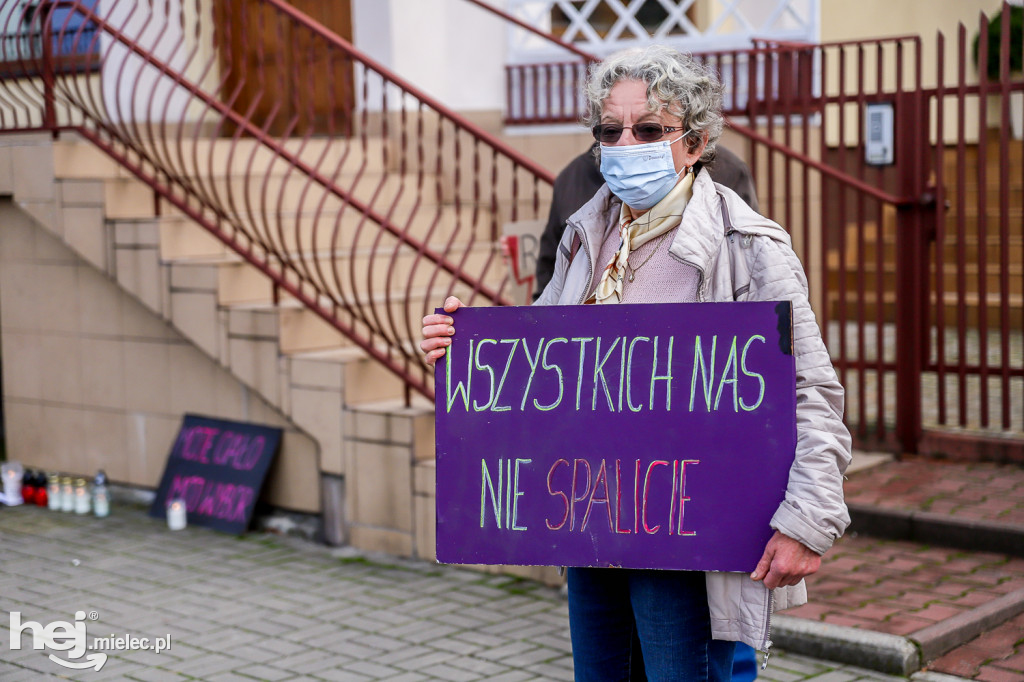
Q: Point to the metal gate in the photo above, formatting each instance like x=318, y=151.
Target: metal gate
x=900, y=179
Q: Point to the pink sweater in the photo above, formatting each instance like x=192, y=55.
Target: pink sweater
x=662, y=279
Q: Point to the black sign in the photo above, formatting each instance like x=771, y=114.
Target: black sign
x=217, y=467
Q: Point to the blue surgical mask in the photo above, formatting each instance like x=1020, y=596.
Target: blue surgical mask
x=640, y=174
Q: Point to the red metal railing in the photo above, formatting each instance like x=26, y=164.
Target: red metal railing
x=358, y=195
x=544, y=93
x=550, y=92
x=915, y=266
x=974, y=273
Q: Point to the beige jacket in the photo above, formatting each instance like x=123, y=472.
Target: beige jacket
x=743, y=256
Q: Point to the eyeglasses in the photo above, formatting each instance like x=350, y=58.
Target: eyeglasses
x=609, y=133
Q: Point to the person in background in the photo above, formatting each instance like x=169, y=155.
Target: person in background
x=661, y=230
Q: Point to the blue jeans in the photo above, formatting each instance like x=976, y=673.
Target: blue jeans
x=667, y=611
x=744, y=663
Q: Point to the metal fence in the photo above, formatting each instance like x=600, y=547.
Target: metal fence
x=904, y=196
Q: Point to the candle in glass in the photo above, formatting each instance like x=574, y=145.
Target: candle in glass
x=53, y=491
x=82, y=502
x=12, y=473
x=100, y=496
x=176, y=515
x=67, y=495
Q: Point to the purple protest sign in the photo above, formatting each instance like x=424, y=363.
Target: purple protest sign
x=641, y=436
x=217, y=467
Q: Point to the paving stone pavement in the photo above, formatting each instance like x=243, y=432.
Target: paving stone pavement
x=976, y=491
x=270, y=608
x=984, y=658
x=900, y=587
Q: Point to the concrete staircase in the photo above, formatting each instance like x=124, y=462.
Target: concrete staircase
x=319, y=381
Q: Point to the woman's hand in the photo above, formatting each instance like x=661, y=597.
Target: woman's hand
x=437, y=331
x=785, y=562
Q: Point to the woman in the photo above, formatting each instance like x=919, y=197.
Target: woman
x=660, y=231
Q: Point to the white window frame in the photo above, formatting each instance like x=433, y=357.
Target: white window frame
x=527, y=48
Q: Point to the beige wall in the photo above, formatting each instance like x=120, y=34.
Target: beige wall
x=845, y=21
x=876, y=18
x=94, y=380
x=552, y=147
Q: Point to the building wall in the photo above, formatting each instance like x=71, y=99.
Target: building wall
x=924, y=18
x=451, y=50
x=875, y=18
x=93, y=380
x=842, y=21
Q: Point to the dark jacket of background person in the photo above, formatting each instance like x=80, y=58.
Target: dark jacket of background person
x=579, y=180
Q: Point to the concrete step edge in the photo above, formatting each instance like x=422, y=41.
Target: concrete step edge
x=890, y=654
x=937, y=529
x=419, y=405
x=946, y=635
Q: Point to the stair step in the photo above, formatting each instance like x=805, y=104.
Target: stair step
x=295, y=192
x=972, y=224
x=371, y=175
x=181, y=238
x=361, y=377
x=126, y=197
x=241, y=282
x=867, y=235
x=950, y=305
x=363, y=380
x=869, y=275
x=75, y=158
x=227, y=156
x=994, y=250
x=303, y=330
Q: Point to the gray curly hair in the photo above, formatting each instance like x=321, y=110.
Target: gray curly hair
x=675, y=82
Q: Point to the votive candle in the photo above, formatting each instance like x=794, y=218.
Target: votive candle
x=176, y=515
